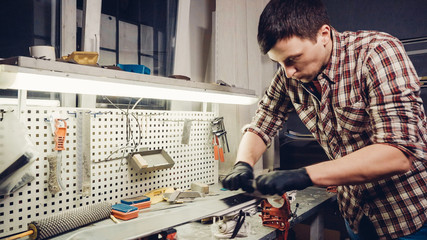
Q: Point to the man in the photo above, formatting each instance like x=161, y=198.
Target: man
x=359, y=95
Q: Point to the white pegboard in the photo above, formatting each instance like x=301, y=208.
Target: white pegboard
x=112, y=178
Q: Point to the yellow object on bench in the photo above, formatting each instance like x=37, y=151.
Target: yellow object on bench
x=157, y=194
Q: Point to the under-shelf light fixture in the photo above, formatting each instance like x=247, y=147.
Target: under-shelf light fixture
x=49, y=81
x=31, y=102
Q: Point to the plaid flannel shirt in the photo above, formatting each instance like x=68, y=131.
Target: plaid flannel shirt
x=370, y=93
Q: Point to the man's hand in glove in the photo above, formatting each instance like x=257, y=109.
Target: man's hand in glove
x=241, y=176
x=279, y=182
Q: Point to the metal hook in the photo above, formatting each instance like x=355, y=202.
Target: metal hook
x=97, y=113
x=2, y=112
x=72, y=113
x=60, y=119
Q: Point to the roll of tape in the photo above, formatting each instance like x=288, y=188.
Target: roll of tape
x=226, y=227
x=43, y=52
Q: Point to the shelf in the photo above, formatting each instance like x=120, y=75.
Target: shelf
x=51, y=76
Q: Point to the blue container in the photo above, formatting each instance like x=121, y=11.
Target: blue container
x=124, y=208
x=135, y=200
x=135, y=68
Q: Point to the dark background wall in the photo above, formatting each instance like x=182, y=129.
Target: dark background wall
x=404, y=19
x=24, y=23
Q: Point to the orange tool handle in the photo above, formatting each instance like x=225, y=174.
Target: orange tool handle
x=60, y=132
x=216, y=147
x=220, y=149
x=221, y=154
x=216, y=151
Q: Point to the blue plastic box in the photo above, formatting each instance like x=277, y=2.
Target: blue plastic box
x=124, y=208
x=135, y=68
x=135, y=200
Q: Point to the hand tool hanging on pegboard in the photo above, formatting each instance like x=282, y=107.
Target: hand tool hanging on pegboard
x=219, y=138
x=215, y=145
x=59, y=130
x=186, y=132
x=83, y=152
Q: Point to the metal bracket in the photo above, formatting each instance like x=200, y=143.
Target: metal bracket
x=72, y=113
x=2, y=112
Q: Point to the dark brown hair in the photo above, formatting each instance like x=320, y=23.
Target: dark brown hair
x=283, y=19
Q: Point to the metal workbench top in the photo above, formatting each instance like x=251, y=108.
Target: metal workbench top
x=162, y=216
x=310, y=203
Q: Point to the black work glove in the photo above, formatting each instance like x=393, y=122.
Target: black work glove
x=279, y=182
x=241, y=176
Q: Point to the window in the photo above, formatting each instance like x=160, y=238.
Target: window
x=137, y=32
x=132, y=32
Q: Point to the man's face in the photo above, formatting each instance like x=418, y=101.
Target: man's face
x=302, y=59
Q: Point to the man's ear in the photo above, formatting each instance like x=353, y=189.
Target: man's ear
x=324, y=34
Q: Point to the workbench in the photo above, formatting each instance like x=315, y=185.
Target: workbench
x=183, y=217
x=311, y=202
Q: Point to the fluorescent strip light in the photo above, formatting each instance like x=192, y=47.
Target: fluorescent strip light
x=31, y=102
x=80, y=84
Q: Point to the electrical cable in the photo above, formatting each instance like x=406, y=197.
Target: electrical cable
x=127, y=138
x=129, y=133
x=136, y=103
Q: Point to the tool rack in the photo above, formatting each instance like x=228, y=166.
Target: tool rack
x=111, y=178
